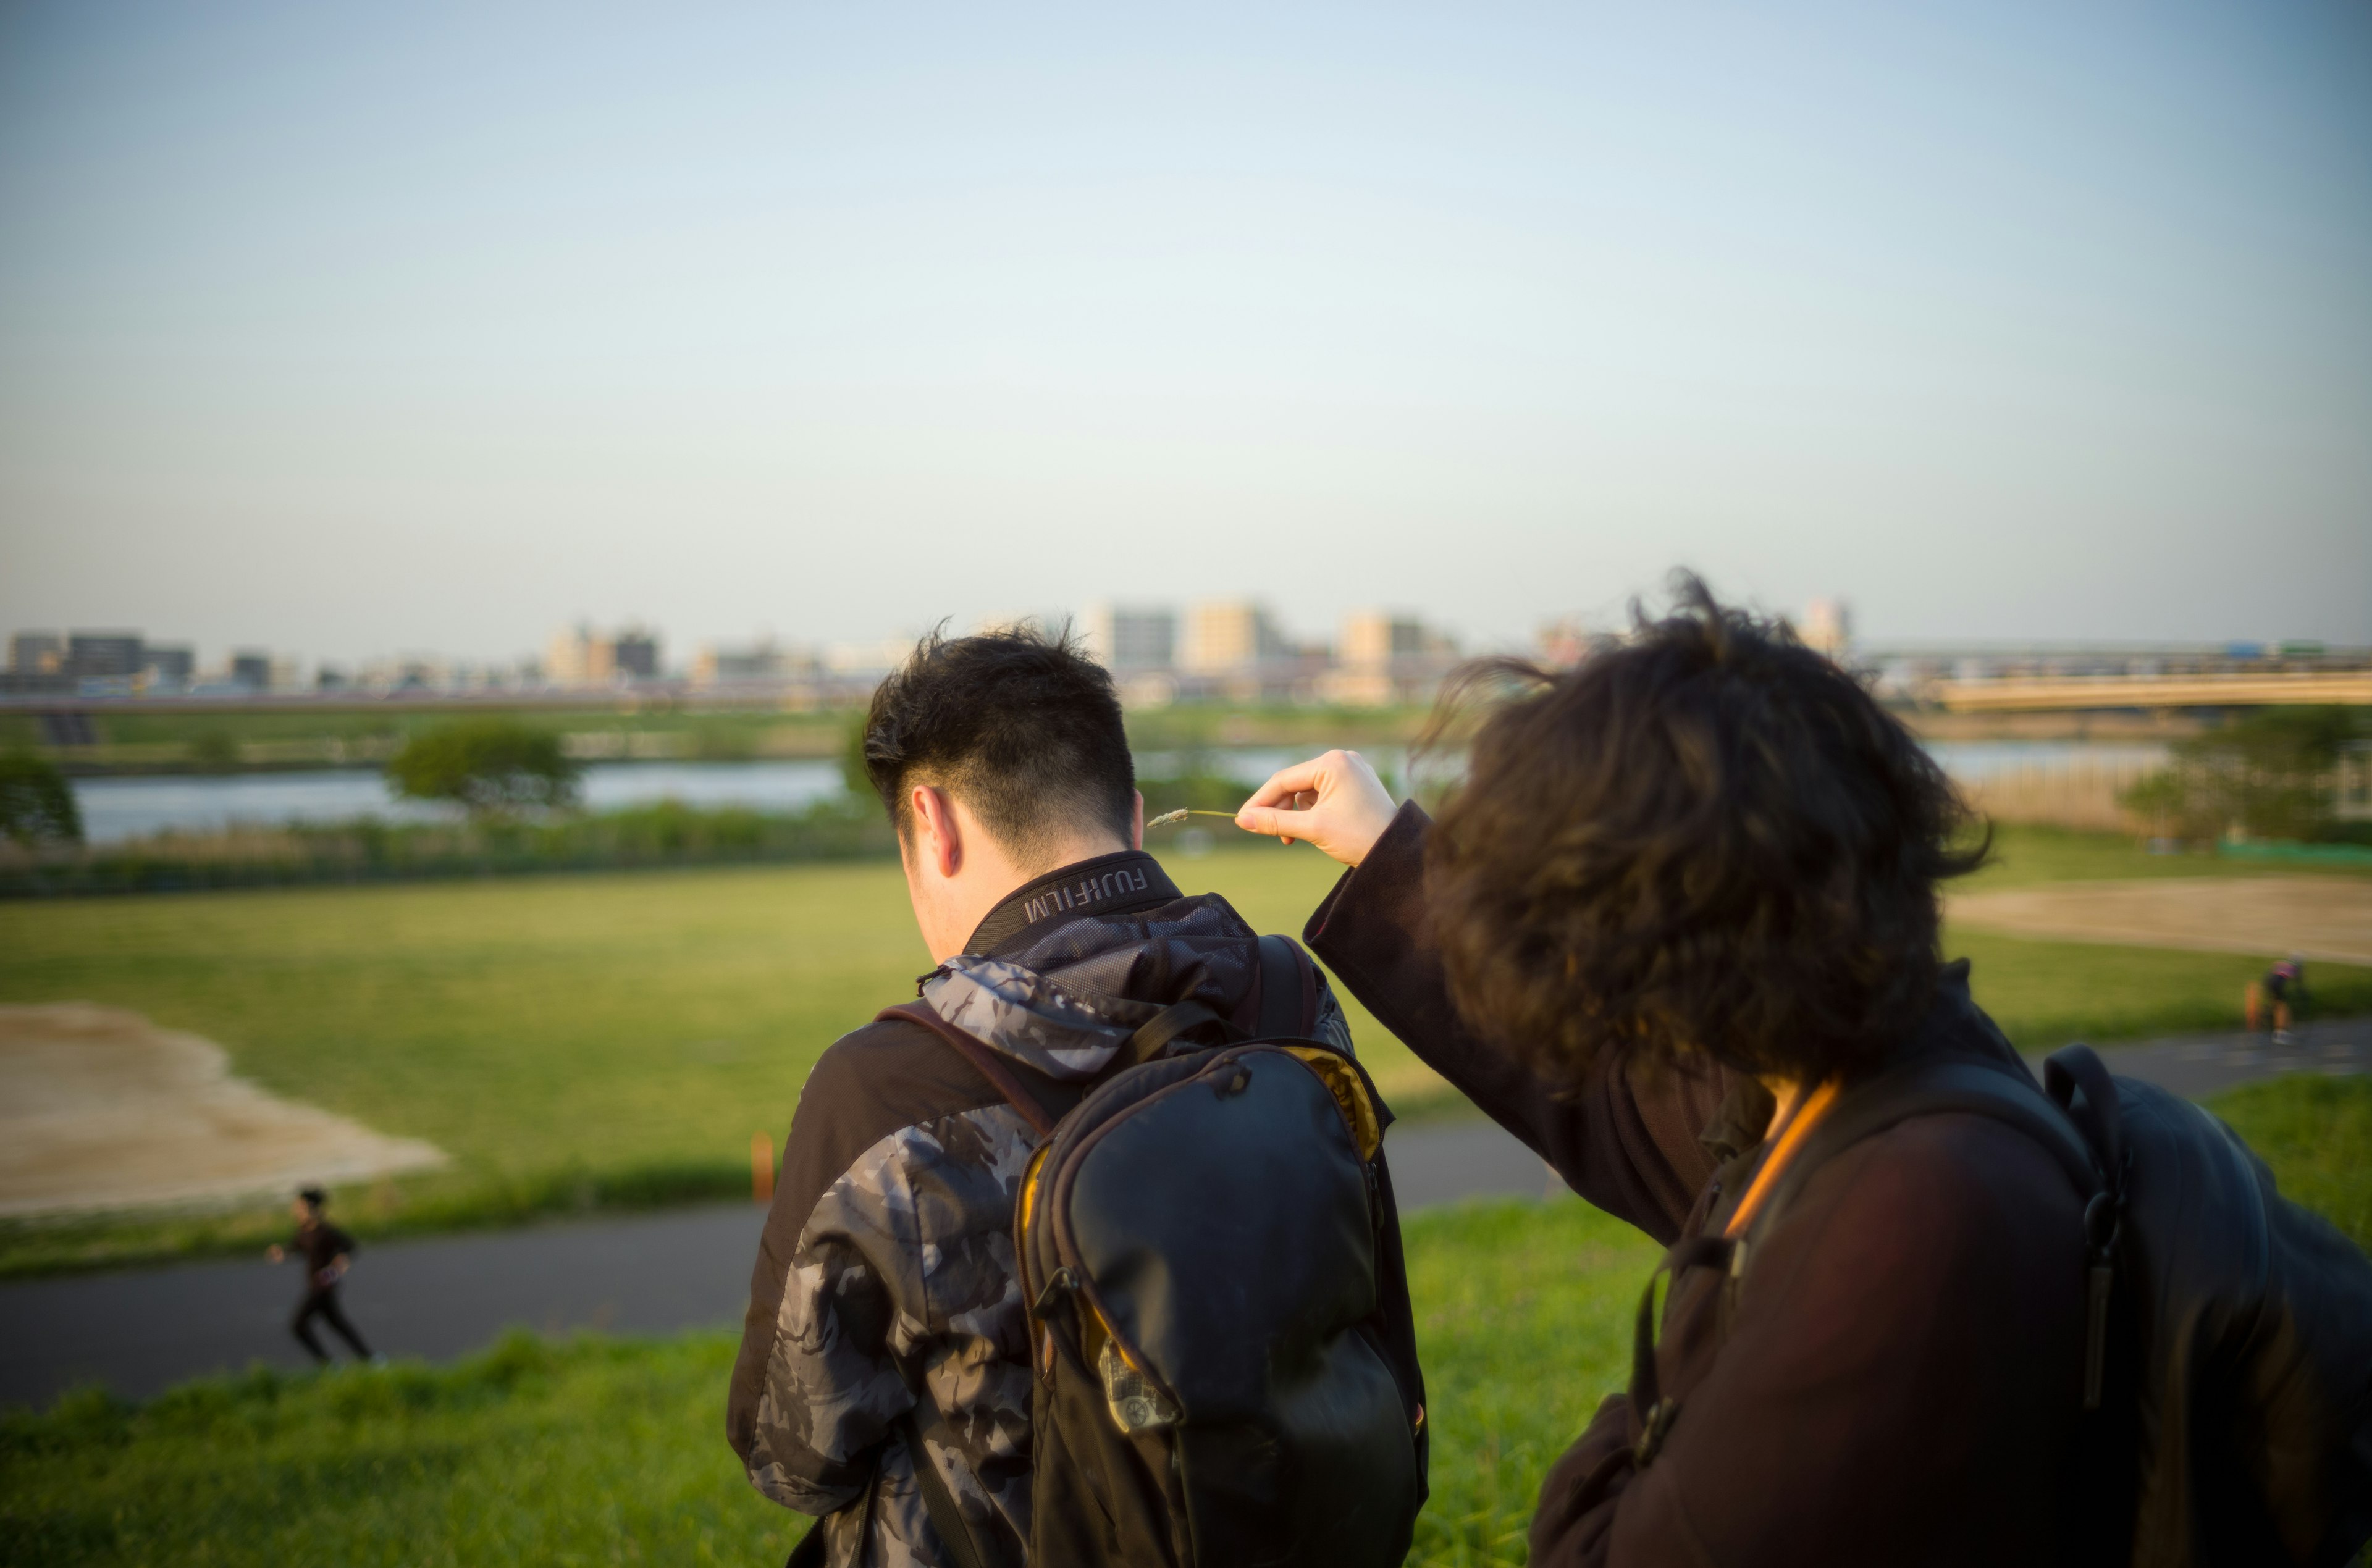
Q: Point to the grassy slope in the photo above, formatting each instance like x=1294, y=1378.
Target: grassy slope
x=600, y=1451
x=619, y=1038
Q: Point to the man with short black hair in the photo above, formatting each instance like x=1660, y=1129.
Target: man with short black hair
x=885, y=1320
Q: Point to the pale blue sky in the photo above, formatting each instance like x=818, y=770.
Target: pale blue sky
x=351, y=329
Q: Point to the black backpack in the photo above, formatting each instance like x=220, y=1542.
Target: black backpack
x=1207, y=1245
x=2230, y=1355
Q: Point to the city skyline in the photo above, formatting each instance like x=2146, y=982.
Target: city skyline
x=1370, y=656
x=2004, y=323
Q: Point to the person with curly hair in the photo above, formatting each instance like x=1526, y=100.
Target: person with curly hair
x=1685, y=894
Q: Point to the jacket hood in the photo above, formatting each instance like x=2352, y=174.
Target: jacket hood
x=1065, y=1003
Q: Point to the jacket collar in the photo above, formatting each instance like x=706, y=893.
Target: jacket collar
x=1126, y=879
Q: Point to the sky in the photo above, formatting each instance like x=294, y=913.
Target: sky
x=354, y=330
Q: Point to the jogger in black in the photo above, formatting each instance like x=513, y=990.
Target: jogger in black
x=327, y=1251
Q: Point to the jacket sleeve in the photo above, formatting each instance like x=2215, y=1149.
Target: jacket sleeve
x=1625, y=1140
x=819, y=1382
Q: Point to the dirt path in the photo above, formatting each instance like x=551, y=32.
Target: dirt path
x=2328, y=918
x=101, y=1109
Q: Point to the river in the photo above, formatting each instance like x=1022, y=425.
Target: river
x=118, y=809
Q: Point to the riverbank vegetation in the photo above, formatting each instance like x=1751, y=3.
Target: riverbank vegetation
x=2285, y=774
x=661, y=834
x=612, y=1041
x=598, y=1450
x=512, y=787
x=120, y=740
x=664, y=834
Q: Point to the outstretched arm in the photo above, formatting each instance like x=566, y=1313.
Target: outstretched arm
x=1630, y=1147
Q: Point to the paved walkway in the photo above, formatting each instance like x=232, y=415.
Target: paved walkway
x=143, y=1330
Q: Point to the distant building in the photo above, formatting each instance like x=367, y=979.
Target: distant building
x=759, y=663
x=103, y=656
x=405, y=672
x=581, y=657
x=634, y=654
x=867, y=659
x=167, y=666
x=576, y=657
x=1130, y=638
x=250, y=669
x=1828, y=628
x=1226, y=635
x=1386, y=658
x=37, y=653
x=1376, y=637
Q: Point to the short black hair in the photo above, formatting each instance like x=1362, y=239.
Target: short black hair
x=314, y=1197
x=1705, y=839
x=1018, y=724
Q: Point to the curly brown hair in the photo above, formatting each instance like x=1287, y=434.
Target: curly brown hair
x=1706, y=838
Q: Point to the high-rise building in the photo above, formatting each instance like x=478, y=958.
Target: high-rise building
x=251, y=669
x=576, y=657
x=1386, y=658
x=1828, y=627
x=582, y=657
x=1129, y=638
x=634, y=654
x=37, y=653
x=1229, y=634
x=101, y=656
x=167, y=666
x=1377, y=637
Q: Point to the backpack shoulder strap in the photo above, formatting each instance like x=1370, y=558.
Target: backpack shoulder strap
x=946, y=1514
x=1928, y=1088
x=981, y=1058
x=1288, y=998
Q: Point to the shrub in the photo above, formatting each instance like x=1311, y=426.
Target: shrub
x=2270, y=774
x=37, y=805
x=490, y=766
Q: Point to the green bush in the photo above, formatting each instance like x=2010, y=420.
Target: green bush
x=37, y=805
x=490, y=765
x=2270, y=774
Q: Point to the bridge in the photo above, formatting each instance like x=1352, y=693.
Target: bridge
x=2007, y=694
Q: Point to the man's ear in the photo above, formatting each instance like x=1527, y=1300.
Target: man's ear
x=1136, y=822
x=938, y=841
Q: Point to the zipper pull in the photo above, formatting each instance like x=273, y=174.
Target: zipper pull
x=1063, y=1281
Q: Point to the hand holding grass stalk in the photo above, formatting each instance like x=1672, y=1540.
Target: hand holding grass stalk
x=1335, y=801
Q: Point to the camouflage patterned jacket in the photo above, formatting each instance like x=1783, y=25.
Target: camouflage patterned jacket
x=886, y=1273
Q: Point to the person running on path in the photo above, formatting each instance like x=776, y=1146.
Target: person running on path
x=328, y=1253
x=2283, y=989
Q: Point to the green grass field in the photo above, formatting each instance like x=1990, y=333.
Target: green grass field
x=615, y=1040
x=597, y=1451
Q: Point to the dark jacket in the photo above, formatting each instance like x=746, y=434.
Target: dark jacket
x=1899, y=1379
x=886, y=1272
x=320, y=1244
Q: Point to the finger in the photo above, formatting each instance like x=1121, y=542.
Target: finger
x=1270, y=820
x=1299, y=778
